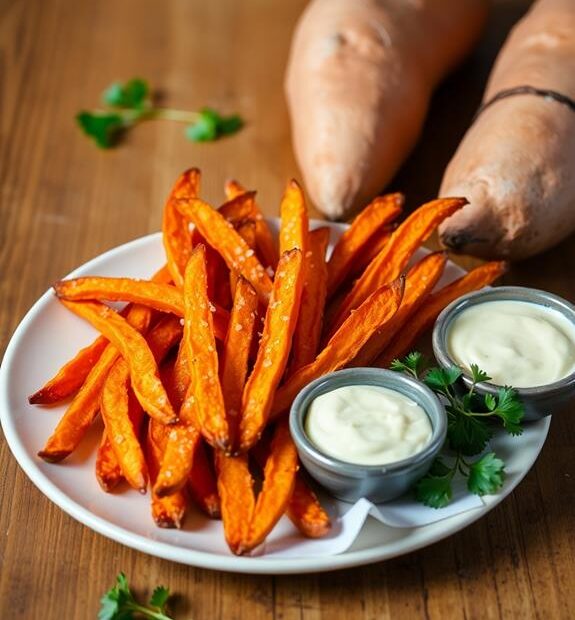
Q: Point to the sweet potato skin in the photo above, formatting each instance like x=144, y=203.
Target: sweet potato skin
x=361, y=73
x=515, y=163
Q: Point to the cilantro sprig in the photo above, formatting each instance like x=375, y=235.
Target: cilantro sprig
x=470, y=418
x=130, y=103
x=119, y=603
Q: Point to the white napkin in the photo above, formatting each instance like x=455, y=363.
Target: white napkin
x=348, y=521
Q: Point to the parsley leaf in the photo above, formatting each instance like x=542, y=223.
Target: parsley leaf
x=466, y=434
x=132, y=94
x=434, y=489
x=441, y=379
x=211, y=125
x=104, y=128
x=486, y=475
x=119, y=603
x=510, y=410
x=478, y=375
x=412, y=364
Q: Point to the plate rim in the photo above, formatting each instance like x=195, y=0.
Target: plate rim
x=203, y=559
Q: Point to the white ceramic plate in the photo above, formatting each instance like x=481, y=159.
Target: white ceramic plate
x=49, y=335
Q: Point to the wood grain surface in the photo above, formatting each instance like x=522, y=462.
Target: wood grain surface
x=63, y=201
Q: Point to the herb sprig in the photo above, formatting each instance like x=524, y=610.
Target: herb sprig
x=469, y=429
x=130, y=103
x=119, y=603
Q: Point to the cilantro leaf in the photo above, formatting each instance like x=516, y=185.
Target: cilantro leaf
x=486, y=475
x=211, y=125
x=490, y=402
x=441, y=379
x=465, y=433
x=160, y=597
x=412, y=364
x=478, y=375
x=434, y=491
x=104, y=128
x=510, y=410
x=132, y=94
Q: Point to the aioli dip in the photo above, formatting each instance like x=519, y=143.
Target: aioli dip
x=516, y=343
x=367, y=425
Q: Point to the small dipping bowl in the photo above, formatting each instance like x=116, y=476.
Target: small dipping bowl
x=539, y=401
x=378, y=483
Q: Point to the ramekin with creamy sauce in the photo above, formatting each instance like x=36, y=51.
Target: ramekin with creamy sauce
x=367, y=432
x=521, y=337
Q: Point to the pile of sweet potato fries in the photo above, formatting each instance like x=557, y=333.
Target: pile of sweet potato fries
x=194, y=378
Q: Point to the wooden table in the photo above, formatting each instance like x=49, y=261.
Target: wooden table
x=64, y=201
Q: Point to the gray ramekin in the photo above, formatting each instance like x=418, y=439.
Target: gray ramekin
x=538, y=401
x=378, y=483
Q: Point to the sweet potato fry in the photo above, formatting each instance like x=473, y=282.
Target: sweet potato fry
x=169, y=511
x=181, y=377
x=235, y=488
x=375, y=312
x=84, y=407
x=294, y=220
x=178, y=459
x=175, y=228
x=222, y=236
x=376, y=244
x=391, y=261
x=239, y=208
x=279, y=480
x=162, y=297
x=202, y=355
x=202, y=484
x=264, y=238
x=356, y=239
x=308, y=328
x=273, y=352
x=108, y=470
x=421, y=279
x=236, y=352
x=134, y=349
x=247, y=231
x=305, y=511
x=114, y=407
x=424, y=318
x=71, y=376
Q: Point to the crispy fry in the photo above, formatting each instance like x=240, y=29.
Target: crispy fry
x=247, y=231
x=169, y=511
x=108, y=470
x=114, y=407
x=279, y=325
x=264, y=238
x=175, y=228
x=421, y=279
x=356, y=240
x=202, y=484
x=424, y=318
x=181, y=377
x=235, y=487
x=236, y=352
x=71, y=376
x=239, y=208
x=294, y=220
x=134, y=349
x=84, y=407
x=305, y=511
x=162, y=297
x=376, y=244
x=375, y=312
x=308, y=329
x=202, y=355
x=279, y=479
x=391, y=261
x=222, y=236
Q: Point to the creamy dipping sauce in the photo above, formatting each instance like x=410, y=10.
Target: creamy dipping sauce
x=516, y=343
x=367, y=425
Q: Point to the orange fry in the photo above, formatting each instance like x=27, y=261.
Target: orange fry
x=273, y=352
x=114, y=407
x=376, y=244
x=421, y=279
x=202, y=355
x=424, y=318
x=279, y=479
x=247, y=231
x=167, y=511
x=294, y=220
x=222, y=236
x=375, y=312
x=264, y=238
x=175, y=228
x=391, y=261
x=235, y=488
x=355, y=240
x=308, y=329
x=134, y=349
x=238, y=208
x=202, y=484
x=85, y=405
x=108, y=470
x=237, y=350
x=305, y=511
x=162, y=297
